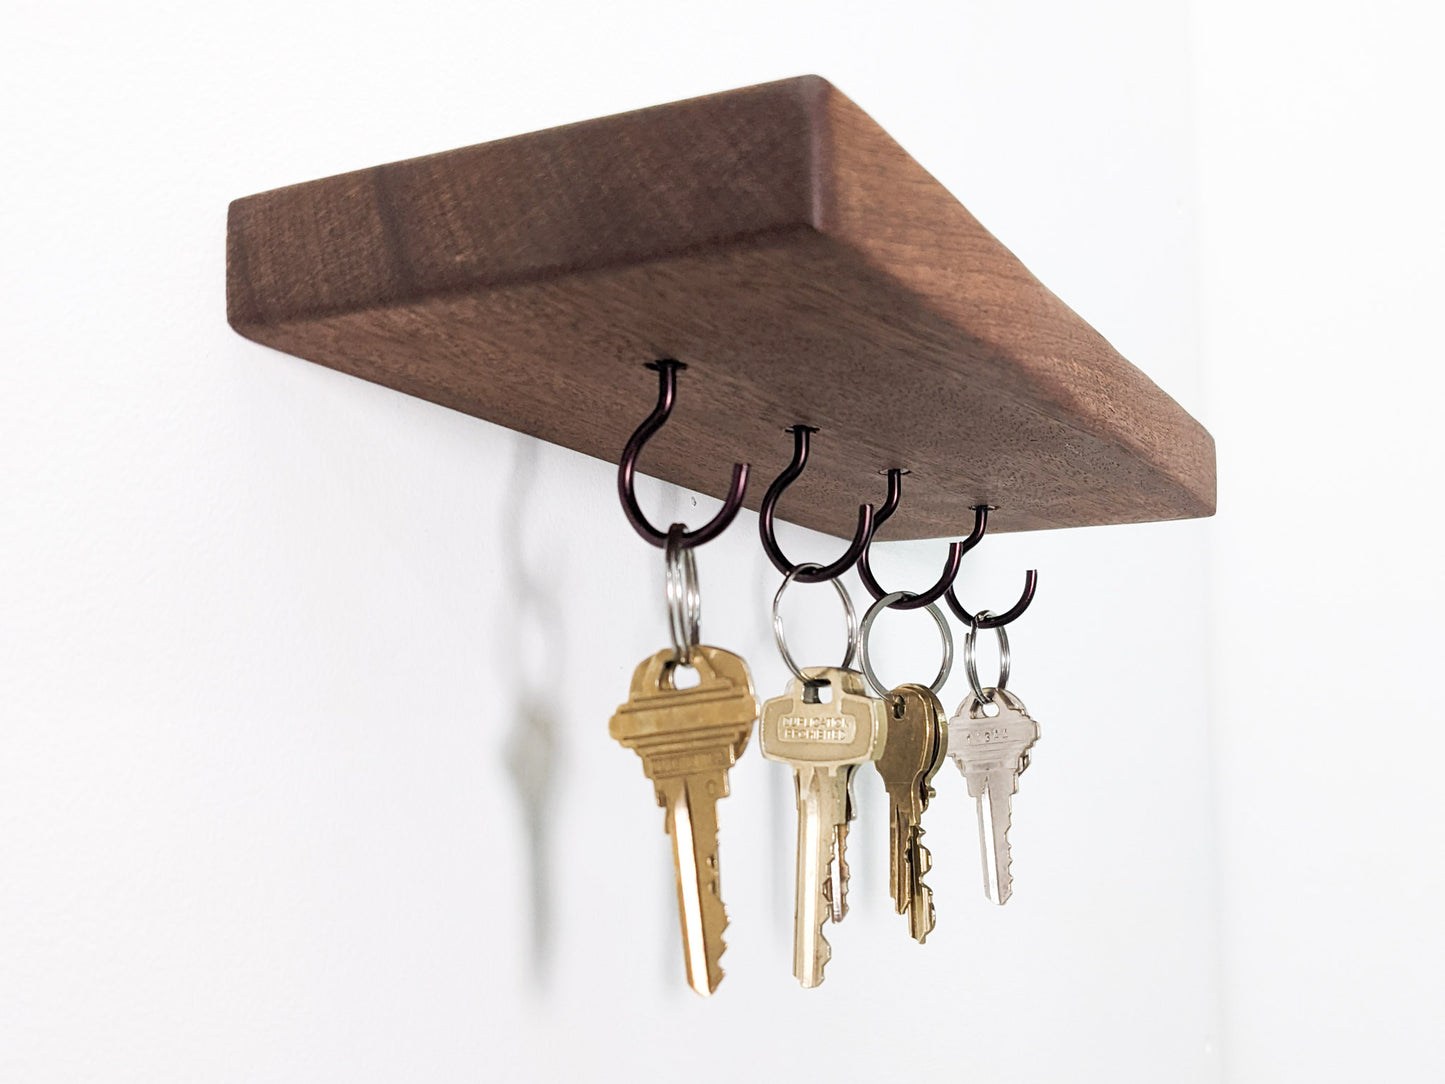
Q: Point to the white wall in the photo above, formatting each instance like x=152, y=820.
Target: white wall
x=284, y=653
x=1321, y=181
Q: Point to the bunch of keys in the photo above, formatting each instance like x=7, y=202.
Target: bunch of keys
x=688, y=739
x=823, y=727
x=916, y=748
x=991, y=752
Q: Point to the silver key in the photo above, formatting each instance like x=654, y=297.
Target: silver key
x=823, y=727
x=992, y=753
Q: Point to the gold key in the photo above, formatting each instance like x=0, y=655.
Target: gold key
x=688, y=739
x=916, y=749
x=823, y=727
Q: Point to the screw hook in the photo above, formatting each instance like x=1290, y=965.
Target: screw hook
x=667, y=370
x=993, y=621
x=806, y=574
x=951, y=563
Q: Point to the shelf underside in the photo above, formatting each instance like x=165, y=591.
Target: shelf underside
x=776, y=240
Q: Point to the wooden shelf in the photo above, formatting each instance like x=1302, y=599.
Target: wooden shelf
x=776, y=240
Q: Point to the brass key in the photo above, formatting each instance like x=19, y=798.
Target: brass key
x=917, y=745
x=916, y=749
x=824, y=726
x=688, y=739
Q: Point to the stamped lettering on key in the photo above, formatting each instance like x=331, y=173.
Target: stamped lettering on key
x=832, y=728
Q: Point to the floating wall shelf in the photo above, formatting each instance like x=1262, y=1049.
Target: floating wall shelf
x=780, y=243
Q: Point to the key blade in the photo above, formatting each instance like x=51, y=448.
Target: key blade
x=985, y=841
x=689, y=898
x=1000, y=801
x=898, y=876
x=811, y=950
x=993, y=843
x=692, y=824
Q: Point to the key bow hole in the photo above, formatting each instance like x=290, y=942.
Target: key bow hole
x=680, y=676
x=814, y=692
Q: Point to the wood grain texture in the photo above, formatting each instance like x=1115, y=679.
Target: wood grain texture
x=776, y=240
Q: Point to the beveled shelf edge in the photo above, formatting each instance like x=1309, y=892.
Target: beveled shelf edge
x=774, y=237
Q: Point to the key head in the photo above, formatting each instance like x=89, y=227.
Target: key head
x=685, y=731
x=824, y=720
x=917, y=737
x=981, y=743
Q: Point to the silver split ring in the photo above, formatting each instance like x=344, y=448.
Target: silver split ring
x=970, y=663
x=848, y=615
x=877, y=608
x=684, y=600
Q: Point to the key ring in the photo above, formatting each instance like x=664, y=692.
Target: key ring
x=848, y=615
x=970, y=663
x=877, y=608
x=684, y=599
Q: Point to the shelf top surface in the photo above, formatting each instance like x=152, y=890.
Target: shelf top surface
x=780, y=243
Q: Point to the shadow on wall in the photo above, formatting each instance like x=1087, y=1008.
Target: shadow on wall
x=534, y=614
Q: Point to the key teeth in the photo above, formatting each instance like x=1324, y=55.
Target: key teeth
x=719, y=922
x=715, y=972
x=837, y=909
x=921, y=927
x=825, y=952
x=714, y=947
x=1006, y=882
x=1006, y=875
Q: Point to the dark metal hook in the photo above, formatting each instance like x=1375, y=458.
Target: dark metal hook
x=950, y=564
x=998, y=621
x=667, y=370
x=801, y=433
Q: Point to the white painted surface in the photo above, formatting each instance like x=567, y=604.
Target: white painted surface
x=282, y=653
x=1321, y=175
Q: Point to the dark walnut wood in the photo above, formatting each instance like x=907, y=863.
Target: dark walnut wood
x=782, y=245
